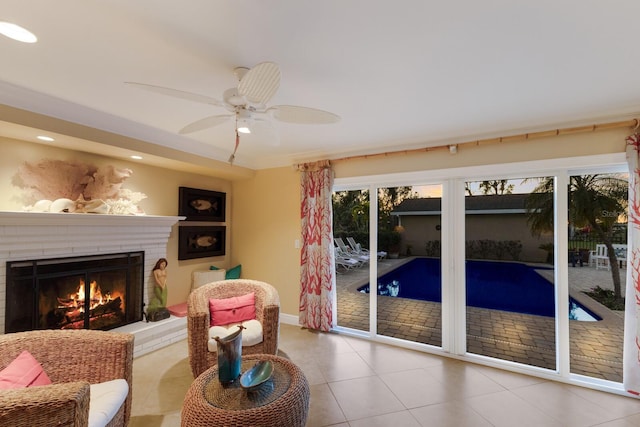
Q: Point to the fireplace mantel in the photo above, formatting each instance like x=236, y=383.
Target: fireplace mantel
x=53, y=219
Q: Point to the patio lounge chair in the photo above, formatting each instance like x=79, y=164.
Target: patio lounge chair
x=349, y=258
x=357, y=248
x=346, y=263
x=347, y=252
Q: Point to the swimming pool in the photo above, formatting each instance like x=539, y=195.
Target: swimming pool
x=507, y=286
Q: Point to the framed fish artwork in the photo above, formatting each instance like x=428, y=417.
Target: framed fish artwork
x=201, y=241
x=202, y=205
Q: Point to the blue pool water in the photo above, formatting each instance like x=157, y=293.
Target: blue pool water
x=505, y=286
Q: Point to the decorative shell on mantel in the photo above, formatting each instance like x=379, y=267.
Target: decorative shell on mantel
x=97, y=206
x=62, y=205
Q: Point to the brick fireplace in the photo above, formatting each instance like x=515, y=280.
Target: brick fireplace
x=38, y=236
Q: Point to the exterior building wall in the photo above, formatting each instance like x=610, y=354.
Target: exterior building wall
x=420, y=229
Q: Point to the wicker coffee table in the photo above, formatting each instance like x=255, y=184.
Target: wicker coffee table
x=283, y=400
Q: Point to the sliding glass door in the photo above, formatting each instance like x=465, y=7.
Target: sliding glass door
x=597, y=251
x=409, y=301
x=509, y=271
x=351, y=225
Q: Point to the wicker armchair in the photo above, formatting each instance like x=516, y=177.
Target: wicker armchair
x=198, y=319
x=72, y=359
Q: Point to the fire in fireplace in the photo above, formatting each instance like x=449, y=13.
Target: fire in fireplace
x=69, y=311
x=90, y=292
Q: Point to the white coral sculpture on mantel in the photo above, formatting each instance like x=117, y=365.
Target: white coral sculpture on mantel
x=71, y=186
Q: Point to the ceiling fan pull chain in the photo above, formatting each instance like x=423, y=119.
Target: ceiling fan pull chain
x=233, y=156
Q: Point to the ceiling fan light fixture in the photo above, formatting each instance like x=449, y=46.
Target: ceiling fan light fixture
x=244, y=121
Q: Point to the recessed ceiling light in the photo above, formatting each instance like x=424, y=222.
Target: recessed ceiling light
x=45, y=138
x=16, y=32
x=136, y=157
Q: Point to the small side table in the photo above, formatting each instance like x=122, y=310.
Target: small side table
x=283, y=400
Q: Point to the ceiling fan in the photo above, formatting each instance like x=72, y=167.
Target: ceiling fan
x=247, y=102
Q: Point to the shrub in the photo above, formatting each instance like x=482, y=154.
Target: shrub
x=607, y=298
x=433, y=248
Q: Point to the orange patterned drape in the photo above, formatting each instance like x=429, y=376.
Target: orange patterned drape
x=631, y=359
x=317, y=266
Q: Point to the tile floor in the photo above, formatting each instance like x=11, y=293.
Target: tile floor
x=358, y=383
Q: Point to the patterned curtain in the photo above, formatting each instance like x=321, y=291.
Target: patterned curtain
x=631, y=359
x=317, y=265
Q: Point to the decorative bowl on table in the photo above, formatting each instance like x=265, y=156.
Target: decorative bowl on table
x=256, y=375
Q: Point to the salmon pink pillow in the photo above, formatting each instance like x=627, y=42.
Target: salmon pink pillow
x=23, y=371
x=232, y=310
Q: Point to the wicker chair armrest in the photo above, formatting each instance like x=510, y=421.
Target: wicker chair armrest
x=198, y=320
x=271, y=328
x=271, y=296
x=64, y=404
x=197, y=338
x=198, y=329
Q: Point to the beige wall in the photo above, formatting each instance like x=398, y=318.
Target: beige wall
x=265, y=227
x=160, y=186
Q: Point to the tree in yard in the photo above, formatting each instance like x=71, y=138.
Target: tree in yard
x=486, y=187
x=596, y=201
x=467, y=189
x=351, y=212
x=500, y=186
x=388, y=199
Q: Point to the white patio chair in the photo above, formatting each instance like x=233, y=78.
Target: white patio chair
x=601, y=258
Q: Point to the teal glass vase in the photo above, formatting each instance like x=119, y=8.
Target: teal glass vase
x=230, y=356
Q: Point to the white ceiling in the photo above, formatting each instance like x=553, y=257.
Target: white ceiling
x=401, y=74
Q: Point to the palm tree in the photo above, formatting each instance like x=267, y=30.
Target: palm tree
x=500, y=186
x=596, y=201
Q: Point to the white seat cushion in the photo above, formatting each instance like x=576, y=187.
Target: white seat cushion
x=251, y=334
x=104, y=401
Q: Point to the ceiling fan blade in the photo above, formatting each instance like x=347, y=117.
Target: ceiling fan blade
x=260, y=83
x=205, y=123
x=178, y=93
x=302, y=115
